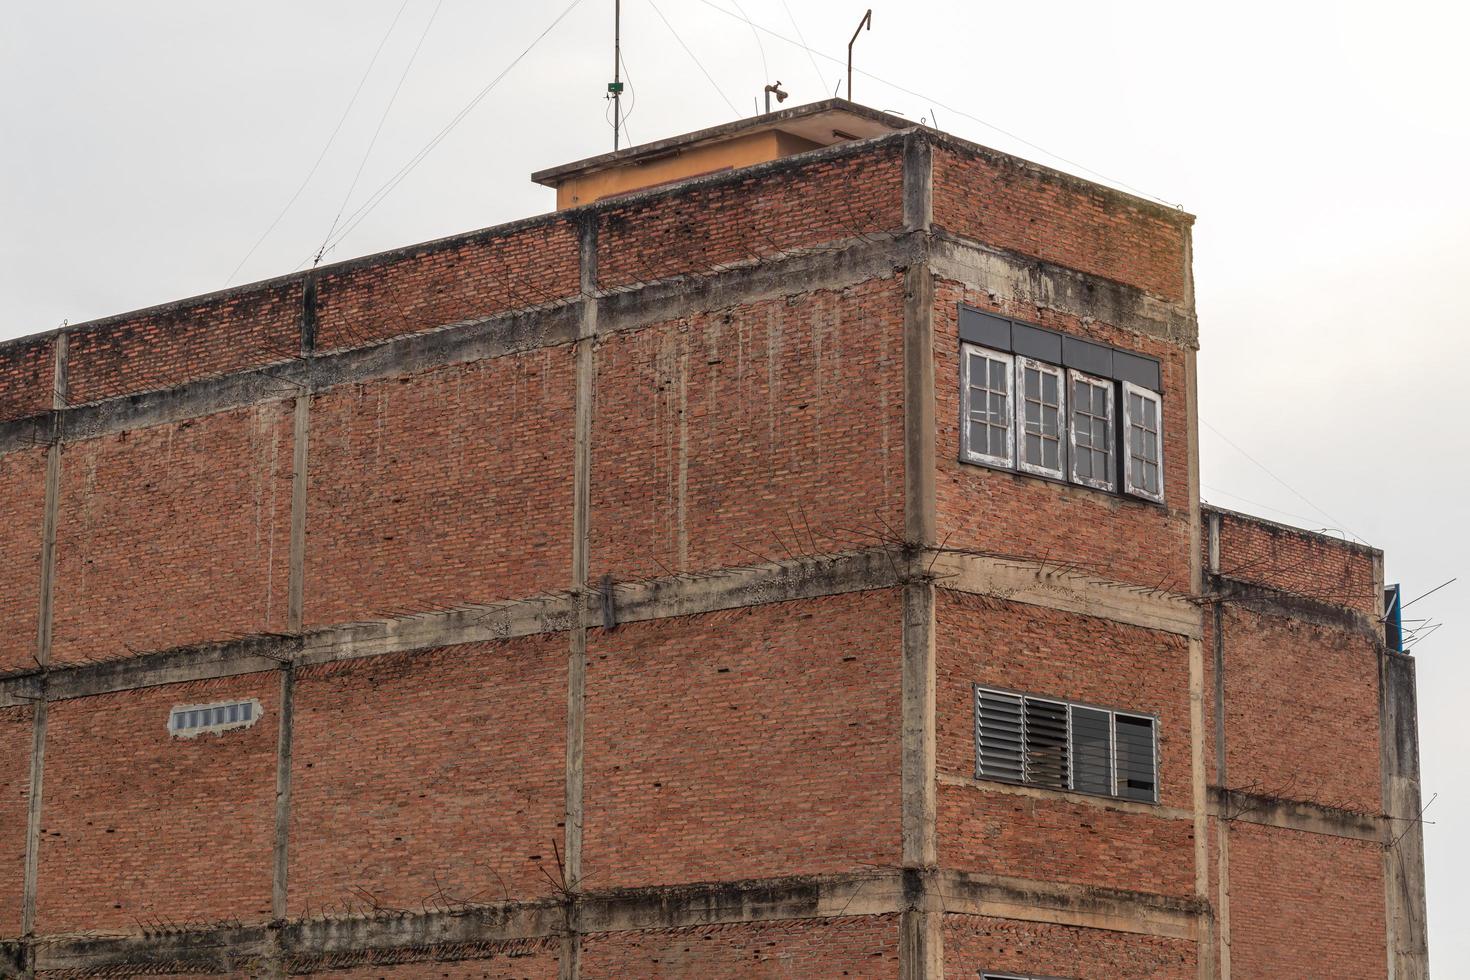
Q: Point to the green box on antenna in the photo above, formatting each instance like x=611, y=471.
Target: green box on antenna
x=615, y=88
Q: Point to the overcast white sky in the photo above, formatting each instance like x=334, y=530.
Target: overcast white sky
x=147, y=146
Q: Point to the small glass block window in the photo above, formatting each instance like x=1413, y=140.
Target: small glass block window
x=1041, y=418
x=187, y=721
x=1142, y=427
x=986, y=414
x=1092, y=432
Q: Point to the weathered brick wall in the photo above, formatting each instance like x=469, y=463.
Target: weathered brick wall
x=1301, y=711
x=796, y=205
x=440, y=488
x=757, y=742
x=173, y=535
x=185, y=341
x=464, y=278
x=749, y=434
x=435, y=777
x=973, y=943
x=1072, y=658
x=516, y=960
x=22, y=510
x=865, y=946
x=1018, y=514
x=27, y=376
x=1307, y=564
x=16, y=727
x=1305, y=905
x=138, y=826
x=1015, y=205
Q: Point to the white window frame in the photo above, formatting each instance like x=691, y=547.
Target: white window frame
x=1130, y=389
x=966, y=451
x=1111, y=482
x=1063, y=422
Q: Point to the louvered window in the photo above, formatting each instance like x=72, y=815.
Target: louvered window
x=1043, y=742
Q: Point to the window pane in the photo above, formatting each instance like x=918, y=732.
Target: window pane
x=1046, y=743
x=988, y=405
x=1041, y=418
x=1092, y=755
x=1137, y=772
x=998, y=736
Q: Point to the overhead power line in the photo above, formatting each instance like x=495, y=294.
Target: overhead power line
x=325, y=147
x=930, y=100
x=367, y=207
x=381, y=120
x=694, y=57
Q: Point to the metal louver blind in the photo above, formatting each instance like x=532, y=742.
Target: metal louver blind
x=999, y=735
x=1046, y=743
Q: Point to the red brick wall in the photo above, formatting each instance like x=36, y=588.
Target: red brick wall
x=1301, y=711
x=1072, y=658
x=1305, y=905
x=27, y=373
x=865, y=946
x=173, y=535
x=973, y=943
x=751, y=434
x=1315, y=566
x=16, y=729
x=1017, y=514
x=436, y=777
x=757, y=216
x=184, y=342
x=476, y=276
x=751, y=743
x=519, y=960
x=1008, y=203
x=139, y=826
x=445, y=487
x=22, y=511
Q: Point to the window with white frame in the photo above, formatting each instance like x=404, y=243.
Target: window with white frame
x=1091, y=432
x=1143, y=442
x=1041, y=395
x=988, y=417
x=1060, y=407
x=1038, y=741
x=1011, y=976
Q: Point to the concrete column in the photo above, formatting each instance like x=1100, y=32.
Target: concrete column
x=1403, y=857
x=921, y=937
x=570, y=959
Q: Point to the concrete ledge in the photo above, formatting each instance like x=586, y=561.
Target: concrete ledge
x=467, y=931
x=1057, y=587
x=1016, y=580
x=1268, y=601
x=1307, y=818
x=1071, y=905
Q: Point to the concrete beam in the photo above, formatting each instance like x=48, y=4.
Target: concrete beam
x=457, y=931
x=1056, y=586
x=1016, y=279
x=1231, y=805
x=1267, y=601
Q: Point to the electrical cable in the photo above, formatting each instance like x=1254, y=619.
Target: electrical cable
x=695, y=57
x=381, y=120
x=367, y=207
x=949, y=108
x=1265, y=469
x=821, y=82
x=322, y=155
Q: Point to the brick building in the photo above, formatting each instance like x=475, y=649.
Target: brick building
x=785, y=559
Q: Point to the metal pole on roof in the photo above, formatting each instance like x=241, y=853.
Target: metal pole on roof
x=867, y=22
x=616, y=88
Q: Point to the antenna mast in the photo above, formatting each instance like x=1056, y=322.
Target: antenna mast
x=615, y=87
x=867, y=22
